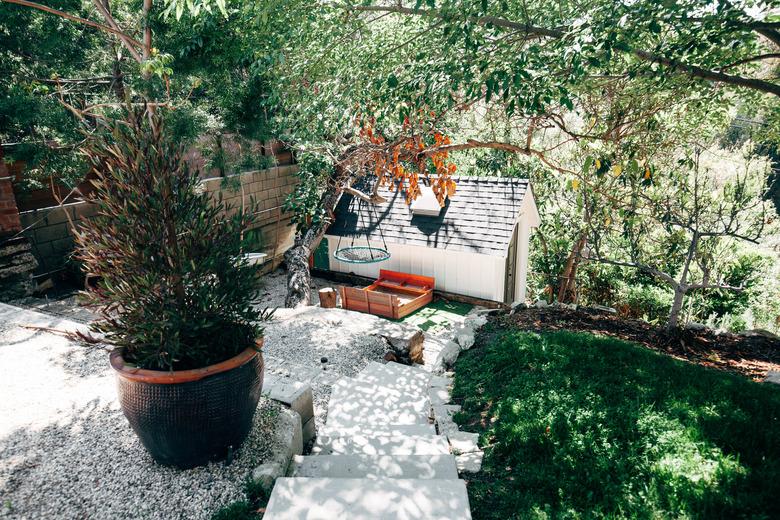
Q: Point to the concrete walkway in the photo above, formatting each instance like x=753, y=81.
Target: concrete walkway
x=378, y=456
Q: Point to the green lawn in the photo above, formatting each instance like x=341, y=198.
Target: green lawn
x=438, y=315
x=577, y=426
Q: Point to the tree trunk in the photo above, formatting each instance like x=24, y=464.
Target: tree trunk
x=682, y=286
x=674, y=313
x=147, y=50
x=297, y=257
x=567, y=289
x=298, y=274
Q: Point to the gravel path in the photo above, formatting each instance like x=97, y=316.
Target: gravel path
x=296, y=346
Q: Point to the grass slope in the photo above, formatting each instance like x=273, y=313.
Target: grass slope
x=579, y=426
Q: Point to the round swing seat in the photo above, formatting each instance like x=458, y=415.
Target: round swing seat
x=361, y=255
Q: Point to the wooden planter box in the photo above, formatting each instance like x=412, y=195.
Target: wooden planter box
x=394, y=295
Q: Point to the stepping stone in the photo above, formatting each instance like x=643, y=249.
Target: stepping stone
x=439, y=395
x=352, y=406
x=376, y=466
x=442, y=382
x=443, y=415
x=463, y=442
x=384, y=429
x=397, y=376
x=470, y=462
x=382, y=445
x=359, y=386
x=368, y=499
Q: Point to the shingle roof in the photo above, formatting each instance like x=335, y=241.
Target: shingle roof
x=479, y=218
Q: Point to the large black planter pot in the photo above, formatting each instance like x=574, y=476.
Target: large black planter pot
x=190, y=417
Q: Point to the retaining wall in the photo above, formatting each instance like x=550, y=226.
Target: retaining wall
x=49, y=229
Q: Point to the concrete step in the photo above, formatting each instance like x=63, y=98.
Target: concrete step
x=384, y=429
x=382, y=445
x=375, y=466
x=358, y=386
x=353, y=405
x=368, y=499
x=396, y=376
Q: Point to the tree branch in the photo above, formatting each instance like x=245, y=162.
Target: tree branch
x=760, y=57
x=371, y=199
x=711, y=286
x=558, y=33
x=122, y=36
x=711, y=75
x=78, y=19
x=642, y=267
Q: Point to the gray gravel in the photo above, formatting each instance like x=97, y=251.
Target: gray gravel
x=66, y=450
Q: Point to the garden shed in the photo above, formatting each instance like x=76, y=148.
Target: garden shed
x=476, y=245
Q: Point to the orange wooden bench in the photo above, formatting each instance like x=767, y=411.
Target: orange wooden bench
x=393, y=295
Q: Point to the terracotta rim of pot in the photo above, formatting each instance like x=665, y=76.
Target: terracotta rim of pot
x=162, y=377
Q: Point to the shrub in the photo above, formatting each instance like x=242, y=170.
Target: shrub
x=173, y=289
x=599, y=284
x=745, y=271
x=648, y=302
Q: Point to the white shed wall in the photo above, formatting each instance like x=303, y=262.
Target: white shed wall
x=471, y=274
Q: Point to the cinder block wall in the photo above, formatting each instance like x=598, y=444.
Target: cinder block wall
x=49, y=229
x=270, y=189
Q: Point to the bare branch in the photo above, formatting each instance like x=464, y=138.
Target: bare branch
x=78, y=19
x=642, y=267
x=372, y=199
x=122, y=36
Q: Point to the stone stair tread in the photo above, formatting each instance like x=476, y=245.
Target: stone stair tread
x=396, y=375
x=371, y=388
x=347, y=408
x=377, y=429
x=376, y=466
x=382, y=445
x=391, y=381
x=368, y=499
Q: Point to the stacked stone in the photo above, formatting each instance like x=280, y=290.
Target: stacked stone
x=16, y=260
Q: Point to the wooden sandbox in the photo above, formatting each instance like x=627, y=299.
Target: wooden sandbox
x=393, y=295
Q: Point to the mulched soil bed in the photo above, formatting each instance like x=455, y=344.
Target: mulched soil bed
x=750, y=356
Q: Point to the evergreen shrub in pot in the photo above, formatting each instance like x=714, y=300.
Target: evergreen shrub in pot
x=175, y=295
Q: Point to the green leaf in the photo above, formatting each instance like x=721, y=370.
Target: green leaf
x=588, y=164
x=221, y=6
x=392, y=81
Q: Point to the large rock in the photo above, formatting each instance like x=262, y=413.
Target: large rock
x=266, y=474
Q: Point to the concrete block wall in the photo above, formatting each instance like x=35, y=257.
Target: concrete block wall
x=269, y=188
x=49, y=229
